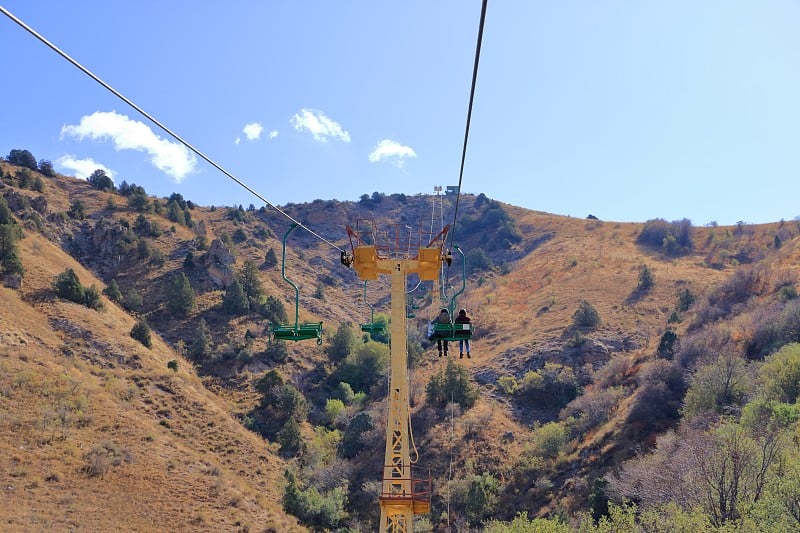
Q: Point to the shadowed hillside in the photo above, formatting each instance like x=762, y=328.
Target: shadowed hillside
x=589, y=339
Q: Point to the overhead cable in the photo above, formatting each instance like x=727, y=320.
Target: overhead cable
x=159, y=124
x=469, y=115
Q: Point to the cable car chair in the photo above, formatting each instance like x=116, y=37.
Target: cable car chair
x=299, y=331
x=372, y=327
x=454, y=331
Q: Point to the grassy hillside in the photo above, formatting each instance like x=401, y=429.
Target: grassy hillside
x=97, y=433
x=554, y=409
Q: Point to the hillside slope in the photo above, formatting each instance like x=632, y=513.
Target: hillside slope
x=98, y=434
x=93, y=419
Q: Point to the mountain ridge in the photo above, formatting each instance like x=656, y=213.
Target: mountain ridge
x=529, y=272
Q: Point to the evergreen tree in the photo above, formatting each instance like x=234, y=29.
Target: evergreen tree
x=188, y=261
x=9, y=235
x=100, y=180
x=22, y=158
x=290, y=438
x=201, y=344
x=46, y=168
x=646, y=279
x=91, y=298
x=112, y=292
x=138, y=201
x=12, y=264
x=586, y=316
x=181, y=296
x=132, y=301
x=274, y=310
x=68, y=286
x=270, y=258
x=355, y=435
x=235, y=300
x=175, y=213
x=341, y=343
x=251, y=285
x=6, y=216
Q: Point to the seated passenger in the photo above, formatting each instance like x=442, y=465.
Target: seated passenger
x=443, y=318
x=462, y=318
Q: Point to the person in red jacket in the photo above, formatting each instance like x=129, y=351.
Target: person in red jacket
x=462, y=318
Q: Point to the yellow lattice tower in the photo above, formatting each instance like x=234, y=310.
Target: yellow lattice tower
x=376, y=253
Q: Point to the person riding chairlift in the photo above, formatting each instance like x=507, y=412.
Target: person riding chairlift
x=443, y=318
x=462, y=318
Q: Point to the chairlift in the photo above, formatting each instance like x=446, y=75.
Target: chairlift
x=299, y=331
x=372, y=327
x=454, y=331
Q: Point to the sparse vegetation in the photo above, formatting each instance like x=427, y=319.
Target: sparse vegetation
x=68, y=286
x=141, y=332
x=181, y=296
x=586, y=316
x=673, y=238
x=540, y=411
x=451, y=385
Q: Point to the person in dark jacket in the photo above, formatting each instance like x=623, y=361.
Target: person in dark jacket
x=443, y=318
x=462, y=318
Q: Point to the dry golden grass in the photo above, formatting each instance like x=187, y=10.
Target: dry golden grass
x=96, y=434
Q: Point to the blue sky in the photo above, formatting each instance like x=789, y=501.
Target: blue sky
x=628, y=110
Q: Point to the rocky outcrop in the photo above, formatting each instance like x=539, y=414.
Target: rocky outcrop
x=219, y=264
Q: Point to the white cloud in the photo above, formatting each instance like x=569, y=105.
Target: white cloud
x=172, y=158
x=320, y=126
x=253, y=131
x=238, y=140
x=273, y=134
x=391, y=151
x=82, y=168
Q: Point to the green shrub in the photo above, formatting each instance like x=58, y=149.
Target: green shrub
x=552, y=386
x=356, y=435
x=451, y=385
x=334, y=409
x=787, y=292
x=290, y=438
x=508, y=385
x=673, y=238
x=320, y=511
x=646, y=279
x=112, y=292
x=341, y=343
x=68, y=286
x=586, y=316
x=132, y=301
x=141, y=332
x=77, y=210
x=364, y=367
x=276, y=351
x=91, y=298
x=549, y=440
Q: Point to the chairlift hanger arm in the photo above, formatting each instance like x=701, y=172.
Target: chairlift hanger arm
x=298, y=331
